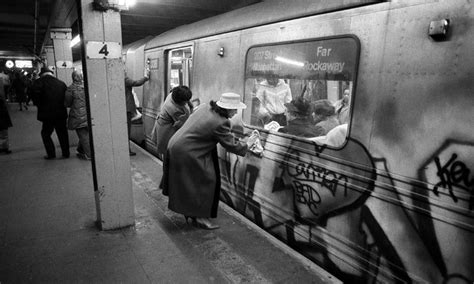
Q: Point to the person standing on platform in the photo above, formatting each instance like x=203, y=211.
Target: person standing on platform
x=48, y=96
x=191, y=171
x=130, y=101
x=5, y=123
x=174, y=112
x=6, y=83
x=19, y=87
x=75, y=99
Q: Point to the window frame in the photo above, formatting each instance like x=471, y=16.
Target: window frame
x=168, y=57
x=353, y=89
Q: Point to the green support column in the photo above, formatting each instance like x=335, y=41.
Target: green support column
x=61, y=38
x=104, y=74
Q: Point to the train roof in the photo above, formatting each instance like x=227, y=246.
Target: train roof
x=136, y=44
x=262, y=13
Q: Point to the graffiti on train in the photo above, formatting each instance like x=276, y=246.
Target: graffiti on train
x=305, y=191
x=454, y=174
x=450, y=173
x=310, y=180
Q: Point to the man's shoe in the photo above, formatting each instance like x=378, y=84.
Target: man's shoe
x=6, y=151
x=133, y=153
x=49, y=157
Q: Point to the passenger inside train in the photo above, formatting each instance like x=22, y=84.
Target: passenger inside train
x=287, y=78
x=299, y=120
x=324, y=116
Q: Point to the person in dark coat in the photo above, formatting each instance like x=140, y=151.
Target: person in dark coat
x=19, y=87
x=299, y=120
x=48, y=96
x=130, y=101
x=75, y=99
x=192, y=176
x=174, y=112
x=5, y=123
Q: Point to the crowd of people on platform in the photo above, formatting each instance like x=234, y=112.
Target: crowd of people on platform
x=52, y=98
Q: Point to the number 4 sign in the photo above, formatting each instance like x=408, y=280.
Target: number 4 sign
x=64, y=64
x=103, y=50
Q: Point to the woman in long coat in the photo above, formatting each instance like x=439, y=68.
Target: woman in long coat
x=192, y=177
x=174, y=112
x=75, y=99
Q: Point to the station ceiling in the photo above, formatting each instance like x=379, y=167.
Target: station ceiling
x=25, y=24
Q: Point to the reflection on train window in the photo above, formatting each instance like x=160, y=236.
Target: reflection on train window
x=180, y=65
x=302, y=89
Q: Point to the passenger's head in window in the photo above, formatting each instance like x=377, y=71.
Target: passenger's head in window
x=272, y=81
x=181, y=95
x=298, y=108
x=324, y=115
x=322, y=109
x=299, y=122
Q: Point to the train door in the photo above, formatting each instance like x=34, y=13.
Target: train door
x=180, y=66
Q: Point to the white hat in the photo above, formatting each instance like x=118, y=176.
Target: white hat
x=230, y=101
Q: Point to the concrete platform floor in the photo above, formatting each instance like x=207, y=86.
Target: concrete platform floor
x=48, y=232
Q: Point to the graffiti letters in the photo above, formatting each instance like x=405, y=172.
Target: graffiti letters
x=454, y=173
x=307, y=178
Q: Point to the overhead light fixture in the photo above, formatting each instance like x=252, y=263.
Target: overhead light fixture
x=289, y=61
x=75, y=40
x=117, y=5
x=9, y=64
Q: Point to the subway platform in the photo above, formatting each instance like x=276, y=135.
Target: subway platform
x=48, y=232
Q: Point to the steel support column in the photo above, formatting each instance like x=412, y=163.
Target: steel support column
x=104, y=82
x=49, y=54
x=62, y=54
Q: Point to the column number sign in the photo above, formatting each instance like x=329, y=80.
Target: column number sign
x=103, y=50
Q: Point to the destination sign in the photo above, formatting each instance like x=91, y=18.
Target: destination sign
x=329, y=59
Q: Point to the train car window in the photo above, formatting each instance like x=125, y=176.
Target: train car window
x=180, y=65
x=302, y=88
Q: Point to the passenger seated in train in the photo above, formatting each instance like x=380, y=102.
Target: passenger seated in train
x=299, y=121
x=273, y=93
x=342, y=107
x=324, y=116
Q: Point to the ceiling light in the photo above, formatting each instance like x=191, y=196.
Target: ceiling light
x=75, y=40
x=289, y=61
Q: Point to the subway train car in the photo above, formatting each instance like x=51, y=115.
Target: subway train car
x=387, y=194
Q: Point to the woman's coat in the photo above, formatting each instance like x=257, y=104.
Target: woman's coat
x=172, y=116
x=76, y=100
x=192, y=169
